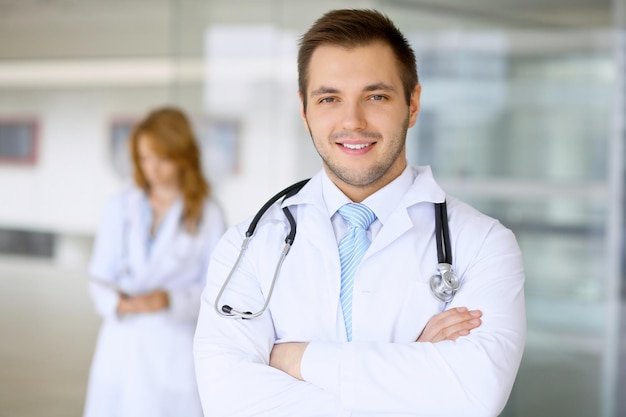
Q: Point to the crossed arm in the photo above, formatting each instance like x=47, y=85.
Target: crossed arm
x=142, y=303
x=448, y=325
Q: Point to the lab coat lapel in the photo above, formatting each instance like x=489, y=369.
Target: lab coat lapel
x=423, y=190
x=398, y=224
x=315, y=230
x=167, y=232
x=137, y=233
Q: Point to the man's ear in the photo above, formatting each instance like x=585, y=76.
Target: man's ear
x=414, y=104
x=303, y=111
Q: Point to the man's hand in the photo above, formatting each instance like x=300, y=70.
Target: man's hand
x=145, y=303
x=450, y=325
x=287, y=357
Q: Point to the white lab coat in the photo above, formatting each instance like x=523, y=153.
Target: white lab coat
x=383, y=371
x=143, y=364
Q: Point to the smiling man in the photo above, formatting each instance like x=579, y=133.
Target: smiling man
x=353, y=324
x=358, y=116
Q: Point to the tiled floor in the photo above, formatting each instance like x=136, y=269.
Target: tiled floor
x=47, y=335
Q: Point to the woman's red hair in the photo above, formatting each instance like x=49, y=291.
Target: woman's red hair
x=172, y=137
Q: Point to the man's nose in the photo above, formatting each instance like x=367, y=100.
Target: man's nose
x=353, y=116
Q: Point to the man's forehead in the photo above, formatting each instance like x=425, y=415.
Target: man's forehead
x=333, y=66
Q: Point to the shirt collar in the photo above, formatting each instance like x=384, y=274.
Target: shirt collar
x=382, y=202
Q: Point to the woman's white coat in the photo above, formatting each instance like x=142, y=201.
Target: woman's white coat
x=143, y=364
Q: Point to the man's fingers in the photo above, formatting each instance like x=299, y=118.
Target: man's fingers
x=455, y=316
x=451, y=324
x=462, y=328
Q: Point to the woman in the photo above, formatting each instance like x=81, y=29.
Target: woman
x=148, y=270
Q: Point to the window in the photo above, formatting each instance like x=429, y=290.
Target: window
x=18, y=141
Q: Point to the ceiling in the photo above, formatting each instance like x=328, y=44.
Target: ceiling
x=70, y=29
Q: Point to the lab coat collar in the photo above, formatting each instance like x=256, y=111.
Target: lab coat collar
x=311, y=193
x=423, y=189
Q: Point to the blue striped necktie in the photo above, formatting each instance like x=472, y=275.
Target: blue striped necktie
x=351, y=250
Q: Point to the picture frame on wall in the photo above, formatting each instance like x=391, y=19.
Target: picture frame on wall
x=120, y=130
x=19, y=140
x=219, y=142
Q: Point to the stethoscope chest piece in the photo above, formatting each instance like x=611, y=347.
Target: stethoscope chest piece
x=444, y=284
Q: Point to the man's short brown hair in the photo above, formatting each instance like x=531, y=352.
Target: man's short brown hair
x=352, y=28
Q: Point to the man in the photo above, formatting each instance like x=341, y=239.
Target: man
x=387, y=348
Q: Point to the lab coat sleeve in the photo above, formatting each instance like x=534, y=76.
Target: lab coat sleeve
x=185, y=301
x=105, y=300
x=232, y=355
x=472, y=376
x=106, y=259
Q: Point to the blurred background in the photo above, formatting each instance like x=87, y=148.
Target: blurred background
x=522, y=115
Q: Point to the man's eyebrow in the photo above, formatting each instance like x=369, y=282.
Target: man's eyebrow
x=372, y=87
x=379, y=86
x=324, y=90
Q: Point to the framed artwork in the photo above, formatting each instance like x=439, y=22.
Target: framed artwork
x=119, y=134
x=219, y=142
x=19, y=141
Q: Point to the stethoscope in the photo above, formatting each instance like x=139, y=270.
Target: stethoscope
x=444, y=284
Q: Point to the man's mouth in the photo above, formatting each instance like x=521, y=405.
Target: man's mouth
x=355, y=145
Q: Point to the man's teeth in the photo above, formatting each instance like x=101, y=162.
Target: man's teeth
x=355, y=146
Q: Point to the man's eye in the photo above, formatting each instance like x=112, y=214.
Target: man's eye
x=377, y=97
x=327, y=100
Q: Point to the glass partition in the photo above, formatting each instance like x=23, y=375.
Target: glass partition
x=518, y=123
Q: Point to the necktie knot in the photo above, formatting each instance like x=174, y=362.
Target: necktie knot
x=357, y=215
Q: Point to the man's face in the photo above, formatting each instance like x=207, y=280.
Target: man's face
x=358, y=117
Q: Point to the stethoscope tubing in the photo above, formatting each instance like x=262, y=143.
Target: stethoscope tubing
x=228, y=311
x=444, y=253
x=444, y=285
